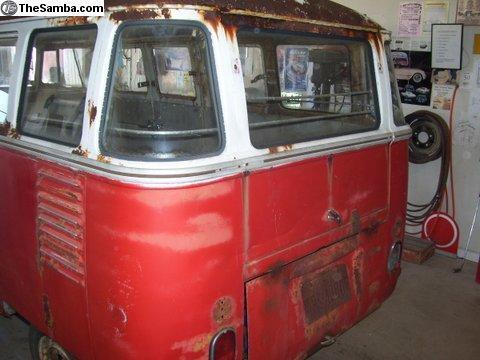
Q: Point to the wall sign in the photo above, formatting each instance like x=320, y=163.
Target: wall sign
x=468, y=12
x=447, y=42
x=409, y=18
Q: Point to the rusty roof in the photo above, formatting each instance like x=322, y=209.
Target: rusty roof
x=306, y=10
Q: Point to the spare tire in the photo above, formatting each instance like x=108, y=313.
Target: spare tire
x=430, y=136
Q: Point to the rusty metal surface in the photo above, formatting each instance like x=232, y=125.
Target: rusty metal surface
x=327, y=291
x=60, y=222
x=148, y=246
x=320, y=10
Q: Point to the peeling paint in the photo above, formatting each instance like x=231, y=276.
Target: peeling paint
x=47, y=312
x=199, y=343
x=223, y=310
x=80, y=152
x=166, y=13
x=5, y=128
x=323, y=11
x=133, y=14
x=92, y=112
x=104, y=159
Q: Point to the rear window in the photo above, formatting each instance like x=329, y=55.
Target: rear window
x=161, y=104
x=301, y=88
x=55, y=84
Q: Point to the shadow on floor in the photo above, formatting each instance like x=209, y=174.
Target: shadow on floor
x=432, y=315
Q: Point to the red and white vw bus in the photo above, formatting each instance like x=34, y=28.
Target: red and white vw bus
x=199, y=179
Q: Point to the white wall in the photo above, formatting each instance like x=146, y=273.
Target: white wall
x=466, y=160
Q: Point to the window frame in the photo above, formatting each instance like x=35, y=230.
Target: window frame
x=10, y=36
x=171, y=95
x=38, y=70
x=393, y=85
x=258, y=46
x=370, y=70
x=213, y=88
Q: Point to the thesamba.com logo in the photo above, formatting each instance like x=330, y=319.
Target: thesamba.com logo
x=9, y=8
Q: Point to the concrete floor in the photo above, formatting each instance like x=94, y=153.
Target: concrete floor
x=433, y=315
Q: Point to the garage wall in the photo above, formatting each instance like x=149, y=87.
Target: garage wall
x=466, y=160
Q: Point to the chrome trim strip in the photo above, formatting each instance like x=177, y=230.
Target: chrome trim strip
x=191, y=175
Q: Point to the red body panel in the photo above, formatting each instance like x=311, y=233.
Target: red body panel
x=117, y=271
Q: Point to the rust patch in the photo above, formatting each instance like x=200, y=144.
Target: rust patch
x=104, y=159
x=47, y=312
x=326, y=322
x=397, y=230
x=279, y=149
x=166, y=13
x=357, y=273
x=223, y=310
x=133, y=14
x=92, y=112
x=231, y=32
x=75, y=20
x=356, y=222
x=326, y=292
x=194, y=345
x=375, y=38
x=319, y=10
x=5, y=128
x=271, y=305
x=80, y=152
x=276, y=269
x=372, y=229
x=13, y=133
x=212, y=18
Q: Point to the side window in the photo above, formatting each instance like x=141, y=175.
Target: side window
x=176, y=116
x=254, y=75
x=7, y=56
x=310, y=88
x=174, y=71
x=55, y=84
x=398, y=116
x=131, y=71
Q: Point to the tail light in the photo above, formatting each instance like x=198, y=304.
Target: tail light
x=223, y=345
x=395, y=256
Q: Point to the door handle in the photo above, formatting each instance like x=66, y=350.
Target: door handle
x=334, y=216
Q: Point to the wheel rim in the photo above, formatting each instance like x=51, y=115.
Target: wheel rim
x=50, y=350
x=417, y=78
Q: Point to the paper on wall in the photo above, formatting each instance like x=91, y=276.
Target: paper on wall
x=434, y=12
x=409, y=18
x=442, y=96
x=412, y=44
x=468, y=12
x=466, y=134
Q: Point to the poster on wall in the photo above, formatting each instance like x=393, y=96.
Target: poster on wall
x=412, y=44
x=434, y=12
x=295, y=74
x=447, y=43
x=409, y=18
x=413, y=72
x=468, y=12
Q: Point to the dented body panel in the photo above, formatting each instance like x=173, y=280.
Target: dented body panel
x=286, y=246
